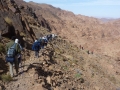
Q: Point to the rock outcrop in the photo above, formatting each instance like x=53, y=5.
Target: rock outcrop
x=17, y=20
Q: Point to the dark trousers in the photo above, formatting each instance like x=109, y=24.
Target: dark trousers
x=37, y=54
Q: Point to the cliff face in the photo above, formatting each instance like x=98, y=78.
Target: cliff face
x=18, y=19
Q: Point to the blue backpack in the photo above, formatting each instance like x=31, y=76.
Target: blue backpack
x=11, y=53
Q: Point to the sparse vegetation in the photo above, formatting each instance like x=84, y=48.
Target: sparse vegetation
x=77, y=75
x=64, y=67
x=2, y=48
x=22, y=34
x=8, y=20
x=112, y=79
x=6, y=78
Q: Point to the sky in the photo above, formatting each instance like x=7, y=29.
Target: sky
x=91, y=8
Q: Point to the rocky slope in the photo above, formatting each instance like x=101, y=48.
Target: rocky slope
x=19, y=21
x=89, y=32
x=62, y=65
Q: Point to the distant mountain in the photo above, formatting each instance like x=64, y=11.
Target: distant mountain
x=107, y=19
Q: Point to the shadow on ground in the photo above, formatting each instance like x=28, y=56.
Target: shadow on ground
x=3, y=66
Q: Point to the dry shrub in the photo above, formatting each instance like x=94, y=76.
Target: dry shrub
x=22, y=34
x=8, y=20
x=6, y=78
x=2, y=48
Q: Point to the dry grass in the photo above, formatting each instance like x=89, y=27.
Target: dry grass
x=8, y=20
x=22, y=34
x=2, y=48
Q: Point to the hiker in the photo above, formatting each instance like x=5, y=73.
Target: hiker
x=41, y=42
x=48, y=37
x=44, y=41
x=19, y=56
x=92, y=52
x=11, y=58
x=36, y=48
x=54, y=36
x=80, y=47
x=88, y=52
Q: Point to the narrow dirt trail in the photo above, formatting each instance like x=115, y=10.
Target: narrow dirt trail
x=60, y=67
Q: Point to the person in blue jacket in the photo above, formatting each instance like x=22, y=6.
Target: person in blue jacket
x=36, y=47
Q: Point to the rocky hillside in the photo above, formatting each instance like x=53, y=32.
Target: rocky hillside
x=77, y=60
x=63, y=66
x=89, y=32
x=19, y=21
x=104, y=20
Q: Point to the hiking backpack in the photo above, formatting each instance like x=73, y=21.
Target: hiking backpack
x=11, y=53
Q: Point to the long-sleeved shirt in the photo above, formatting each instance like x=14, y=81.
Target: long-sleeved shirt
x=17, y=47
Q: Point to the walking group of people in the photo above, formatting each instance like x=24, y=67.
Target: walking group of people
x=13, y=49
x=41, y=42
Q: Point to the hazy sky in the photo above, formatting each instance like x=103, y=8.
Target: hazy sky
x=95, y=8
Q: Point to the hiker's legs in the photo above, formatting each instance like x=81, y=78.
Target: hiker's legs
x=19, y=62
x=45, y=44
x=37, y=54
x=16, y=65
x=42, y=47
x=19, y=58
x=11, y=68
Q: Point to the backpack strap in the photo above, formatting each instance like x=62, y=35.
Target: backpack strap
x=13, y=45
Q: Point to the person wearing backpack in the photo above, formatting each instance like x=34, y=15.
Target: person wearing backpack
x=41, y=41
x=19, y=55
x=45, y=40
x=36, y=48
x=12, y=50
